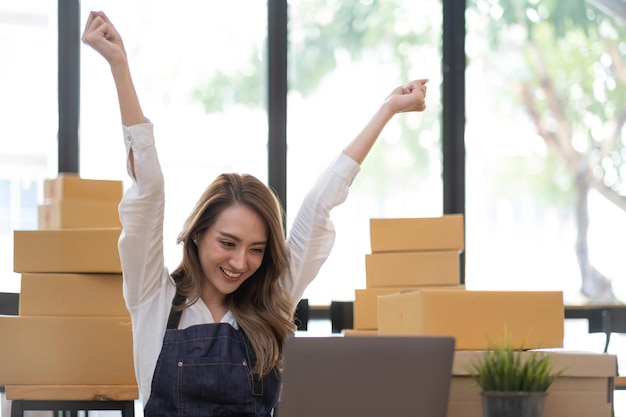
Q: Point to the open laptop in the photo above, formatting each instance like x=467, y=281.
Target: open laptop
x=366, y=376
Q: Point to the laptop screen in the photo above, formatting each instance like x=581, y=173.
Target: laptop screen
x=366, y=376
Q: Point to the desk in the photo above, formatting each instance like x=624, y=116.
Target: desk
x=605, y=319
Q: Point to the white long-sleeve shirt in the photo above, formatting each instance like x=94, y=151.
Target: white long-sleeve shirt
x=148, y=287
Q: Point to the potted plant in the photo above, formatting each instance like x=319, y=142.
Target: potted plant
x=513, y=383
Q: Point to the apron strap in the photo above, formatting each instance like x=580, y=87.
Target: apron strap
x=175, y=314
x=174, y=318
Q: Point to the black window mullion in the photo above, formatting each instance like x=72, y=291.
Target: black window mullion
x=453, y=116
x=68, y=84
x=277, y=97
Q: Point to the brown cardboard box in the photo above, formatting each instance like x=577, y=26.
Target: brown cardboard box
x=530, y=319
x=67, y=250
x=417, y=234
x=66, y=351
x=72, y=186
x=412, y=269
x=366, y=304
x=585, y=388
x=77, y=214
x=85, y=295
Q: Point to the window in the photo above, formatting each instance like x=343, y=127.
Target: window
x=543, y=100
x=344, y=59
x=544, y=168
x=203, y=88
x=28, y=103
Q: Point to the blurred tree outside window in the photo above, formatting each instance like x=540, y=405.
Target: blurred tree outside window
x=545, y=140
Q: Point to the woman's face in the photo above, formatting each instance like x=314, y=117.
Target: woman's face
x=231, y=250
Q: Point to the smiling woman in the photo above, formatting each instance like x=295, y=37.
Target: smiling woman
x=231, y=301
x=236, y=221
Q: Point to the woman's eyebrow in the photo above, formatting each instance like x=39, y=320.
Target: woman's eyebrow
x=237, y=239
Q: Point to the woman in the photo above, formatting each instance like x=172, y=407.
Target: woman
x=208, y=338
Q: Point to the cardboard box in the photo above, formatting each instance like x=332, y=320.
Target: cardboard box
x=585, y=388
x=72, y=186
x=77, y=214
x=85, y=295
x=412, y=269
x=67, y=250
x=366, y=304
x=66, y=351
x=417, y=234
x=476, y=319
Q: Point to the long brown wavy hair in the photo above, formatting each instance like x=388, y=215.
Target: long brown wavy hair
x=262, y=308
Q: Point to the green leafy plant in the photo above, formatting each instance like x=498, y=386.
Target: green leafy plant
x=504, y=369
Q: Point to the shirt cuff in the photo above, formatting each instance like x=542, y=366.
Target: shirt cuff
x=138, y=136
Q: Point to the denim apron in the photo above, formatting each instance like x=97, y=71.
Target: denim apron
x=205, y=370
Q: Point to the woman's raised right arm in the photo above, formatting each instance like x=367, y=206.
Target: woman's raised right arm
x=142, y=208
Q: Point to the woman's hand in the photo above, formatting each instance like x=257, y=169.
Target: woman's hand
x=406, y=98
x=409, y=97
x=102, y=36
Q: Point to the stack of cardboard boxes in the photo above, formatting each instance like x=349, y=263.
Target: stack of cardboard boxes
x=73, y=328
x=411, y=275
x=405, y=257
